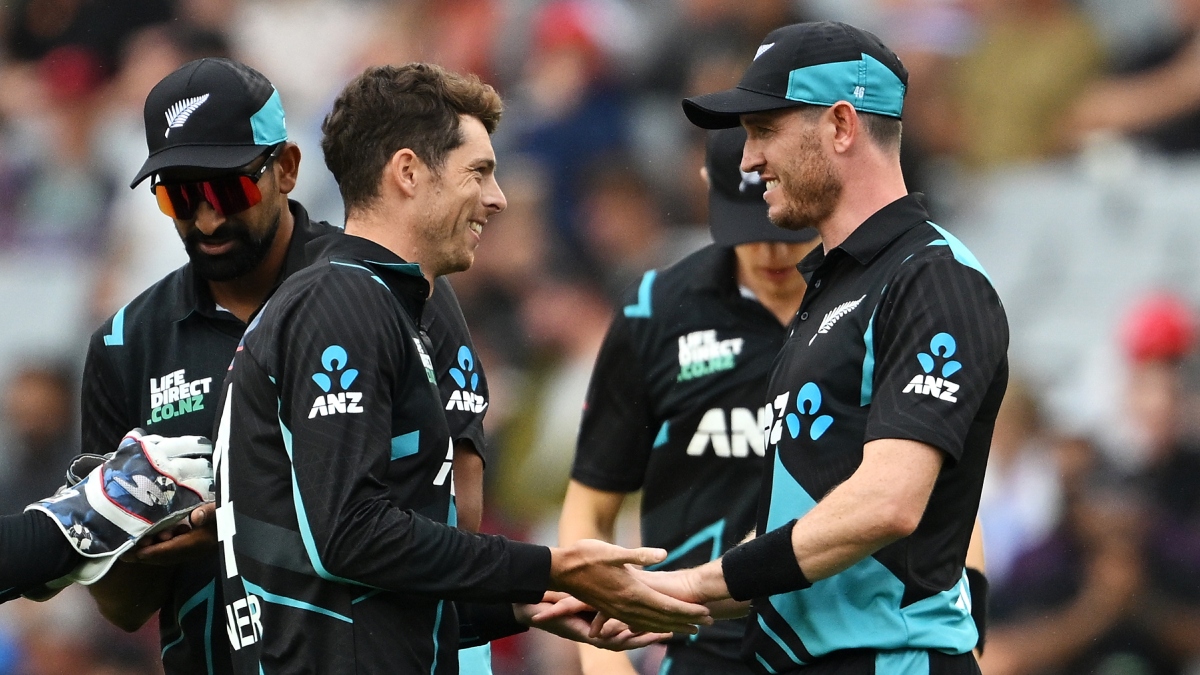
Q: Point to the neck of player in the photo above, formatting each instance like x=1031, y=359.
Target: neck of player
x=244, y=295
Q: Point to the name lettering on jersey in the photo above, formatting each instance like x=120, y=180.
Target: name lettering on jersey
x=941, y=348
x=805, y=415
x=464, y=375
x=334, y=360
x=243, y=621
x=738, y=438
x=834, y=315
x=701, y=353
x=173, y=395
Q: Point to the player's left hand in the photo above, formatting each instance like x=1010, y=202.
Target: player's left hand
x=195, y=535
x=568, y=617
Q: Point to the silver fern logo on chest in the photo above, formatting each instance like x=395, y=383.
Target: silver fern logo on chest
x=836, y=315
x=178, y=114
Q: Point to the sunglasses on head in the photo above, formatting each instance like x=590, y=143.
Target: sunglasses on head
x=227, y=195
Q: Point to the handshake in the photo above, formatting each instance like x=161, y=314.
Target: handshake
x=601, y=596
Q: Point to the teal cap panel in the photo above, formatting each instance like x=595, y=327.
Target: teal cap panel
x=866, y=84
x=268, y=123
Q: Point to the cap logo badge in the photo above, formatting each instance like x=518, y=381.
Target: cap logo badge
x=762, y=49
x=178, y=114
x=748, y=179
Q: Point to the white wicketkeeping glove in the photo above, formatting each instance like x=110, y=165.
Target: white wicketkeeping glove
x=148, y=485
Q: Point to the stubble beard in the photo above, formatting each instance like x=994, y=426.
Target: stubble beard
x=813, y=192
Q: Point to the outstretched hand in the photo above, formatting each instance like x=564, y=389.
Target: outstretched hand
x=568, y=617
x=596, y=572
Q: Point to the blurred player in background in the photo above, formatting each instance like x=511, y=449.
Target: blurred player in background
x=674, y=407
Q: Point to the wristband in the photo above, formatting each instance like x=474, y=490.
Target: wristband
x=764, y=566
x=978, y=585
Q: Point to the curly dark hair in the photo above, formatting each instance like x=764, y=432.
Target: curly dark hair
x=388, y=108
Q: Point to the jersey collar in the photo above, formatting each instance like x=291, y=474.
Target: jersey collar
x=403, y=278
x=882, y=228
x=717, y=271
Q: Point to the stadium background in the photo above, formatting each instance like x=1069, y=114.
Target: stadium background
x=1057, y=138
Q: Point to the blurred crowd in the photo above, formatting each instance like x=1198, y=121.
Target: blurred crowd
x=1057, y=138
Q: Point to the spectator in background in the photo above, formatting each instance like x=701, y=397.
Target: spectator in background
x=1155, y=96
x=623, y=226
x=53, y=198
x=1022, y=496
x=1031, y=60
x=1071, y=605
x=39, y=411
x=1158, y=336
x=568, y=111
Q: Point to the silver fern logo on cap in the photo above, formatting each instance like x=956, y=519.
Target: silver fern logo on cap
x=178, y=114
x=835, y=315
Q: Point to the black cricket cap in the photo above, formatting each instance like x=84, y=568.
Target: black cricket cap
x=817, y=63
x=737, y=213
x=211, y=114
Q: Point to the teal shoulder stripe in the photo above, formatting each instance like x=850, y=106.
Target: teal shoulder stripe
x=664, y=434
x=714, y=533
x=642, y=309
x=310, y=543
x=868, y=368
x=406, y=445
x=364, y=596
x=292, y=602
x=365, y=269
x=116, y=337
x=961, y=253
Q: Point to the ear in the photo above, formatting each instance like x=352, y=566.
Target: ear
x=404, y=172
x=287, y=167
x=704, y=176
x=846, y=125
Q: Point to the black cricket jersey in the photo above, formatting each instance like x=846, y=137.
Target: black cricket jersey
x=158, y=364
x=900, y=335
x=675, y=407
x=333, y=462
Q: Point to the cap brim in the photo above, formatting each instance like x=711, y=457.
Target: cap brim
x=733, y=223
x=720, y=110
x=217, y=157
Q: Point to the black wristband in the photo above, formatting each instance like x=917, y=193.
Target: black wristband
x=978, y=584
x=480, y=623
x=764, y=566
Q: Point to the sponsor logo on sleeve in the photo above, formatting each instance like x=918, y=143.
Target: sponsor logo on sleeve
x=934, y=381
x=334, y=376
x=465, y=398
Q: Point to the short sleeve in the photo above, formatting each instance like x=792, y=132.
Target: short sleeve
x=940, y=342
x=615, y=435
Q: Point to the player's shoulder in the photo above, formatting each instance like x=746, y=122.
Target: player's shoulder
x=660, y=292
x=167, y=300
x=934, y=252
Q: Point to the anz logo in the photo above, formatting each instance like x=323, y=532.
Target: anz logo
x=741, y=436
x=334, y=360
x=465, y=377
x=805, y=420
x=942, y=347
